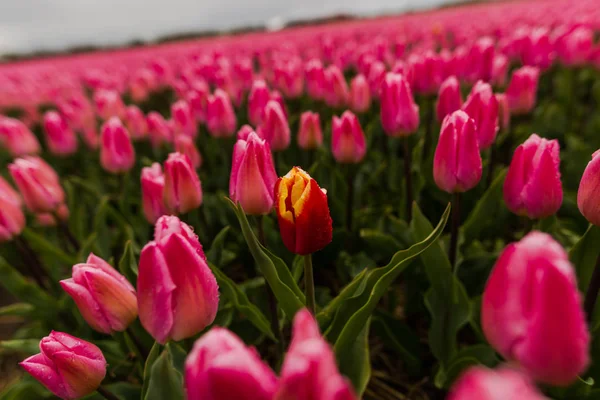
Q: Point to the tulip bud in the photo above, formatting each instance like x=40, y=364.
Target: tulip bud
x=457, y=162
x=108, y=104
x=482, y=106
x=575, y=47
x=116, y=151
x=185, y=145
x=503, y=112
x=348, y=142
x=12, y=220
x=360, y=94
x=427, y=72
x=220, y=366
x=220, y=117
x=376, y=75
x=183, y=191
x=253, y=175
x=336, y=89
x=315, y=79
x=310, y=135
x=531, y=310
x=197, y=98
x=158, y=129
x=500, y=70
x=136, y=122
x=69, y=367
x=153, y=183
x=38, y=183
x=257, y=100
x=449, y=98
x=532, y=186
x=61, y=139
x=178, y=295
x=303, y=214
x=275, y=129
x=399, y=112
x=185, y=124
x=481, y=60
x=244, y=132
x=480, y=383
x=17, y=138
x=587, y=196
x=309, y=370
x=104, y=297
x=522, y=89
x=288, y=77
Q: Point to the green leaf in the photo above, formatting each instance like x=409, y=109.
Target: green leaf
x=277, y=274
x=128, y=265
x=328, y=312
x=178, y=355
x=240, y=301
x=39, y=243
x=25, y=346
x=355, y=363
x=400, y=338
x=484, y=211
x=154, y=352
x=26, y=388
x=446, y=300
x=17, y=310
x=123, y=391
x=480, y=354
x=584, y=254
x=215, y=254
x=165, y=381
x=354, y=314
x=378, y=242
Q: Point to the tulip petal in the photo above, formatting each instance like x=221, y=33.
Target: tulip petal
x=44, y=371
x=81, y=375
x=87, y=305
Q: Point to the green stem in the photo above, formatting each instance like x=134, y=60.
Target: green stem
x=309, y=284
x=138, y=344
x=455, y=223
x=106, y=393
x=592, y=293
x=33, y=263
x=408, y=178
x=349, y=198
x=492, y=166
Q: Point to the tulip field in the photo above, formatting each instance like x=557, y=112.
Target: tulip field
x=405, y=207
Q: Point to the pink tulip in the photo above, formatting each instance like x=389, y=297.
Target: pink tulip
x=348, y=142
x=153, y=184
x=587, y=196
x=275, y=129
x=220, y=117
x=253, y=176
x=449, y=98
x=105, y=298
x=336, y=92
x=482, y=106
x=522, y=90
x=532, y=187
x=257, y=100
x=480, y=383
x=537, y=49
x=158, y=129
x=500, y=70
x=38, y=183
x=141, y=84
x=288, y=77
x=89, y=134
x=427, y=72
x=315, y=79
x=61, y=139
x=185, y=145
x=221, y=366
x=310, y=135
x=377, y=73
x=531, y=310
x=17, y=138
x=12, y=220
x=309, y=370
x=183, y=191
x=277, y=97
x=360, y=94
x=116, y=151
x=184, y=121
x=109, y=104
x=177, y=293
x=244, y=132
x=575, y=47
x=481, y=60
x=136, y=122
x=457, y=162
x=69, y=367
x=399, y=112
x=503, y=111
x=197, y=98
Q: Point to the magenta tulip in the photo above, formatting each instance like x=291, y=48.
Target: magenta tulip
x=348, y=142
x=589, y=190
x=275, y=129
x=482, y=106
x=17, y=138
x=136, y=123
x=153, y=184
x=449, y=98
x=220, y=116
x=399, y=112
x=116, y=150
x=184, y=121
x=61, y=139
x=257, y=100
x=360, y=94
x=38, y=183
x=521, y=92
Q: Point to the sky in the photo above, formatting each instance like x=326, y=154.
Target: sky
x=31, y=25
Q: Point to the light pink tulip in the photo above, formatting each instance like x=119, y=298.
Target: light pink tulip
x=482, y=106
x=522, y=90
x=336, y=91
x=220, y=117
x=589, y=190
x=480, y=383
x=158, y=129
x=275, y=129
x=38, y=183
x=360, y=94
x=184, y=121
x=183, y=191
x=185, y=145
x=116, y=151
x=136, y=123
x=17, y=138
x=348, y=142
x=153, y=184
x=449, y=98
x=61, y=139
x=310, y=135
x=399, y=112
x=257, y=100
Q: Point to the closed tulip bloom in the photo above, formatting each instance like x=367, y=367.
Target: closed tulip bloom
x=303, y=213
x=500, y=70
x=136, y=123
x=427, y=70
x=69, y=367
x=457, y=162
x=531, y=310
x=480, y=383
x=185, y=145
x=275, y=128
x=336, y=91
x=360, y=94
x=153, y=184
x=288, y=77
x=244, y=132
x=105, y=298
x=17, y=138
x=503, y=111
x=348, y=142
x=532, y=187
x=197, y=98
x=12, y=220
x=38, y=183
x=158, y=129
x=220, y=117
x=108, y=104
x=315, y=79
x=61, y=139
x=537, y=49
x=177, y=293
x=253, y=175
x=589, y=188
x=481, y=60
x=220, y=366
x=258, y=98
x=482, y=106
x=116, y=150
x=184, y=121
x=399, y=112
x=449, y=98
x=309, y=371
x=277, y=97
x=575, y=47
x=522, y=90
x=183, y=191
x=310, y=135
